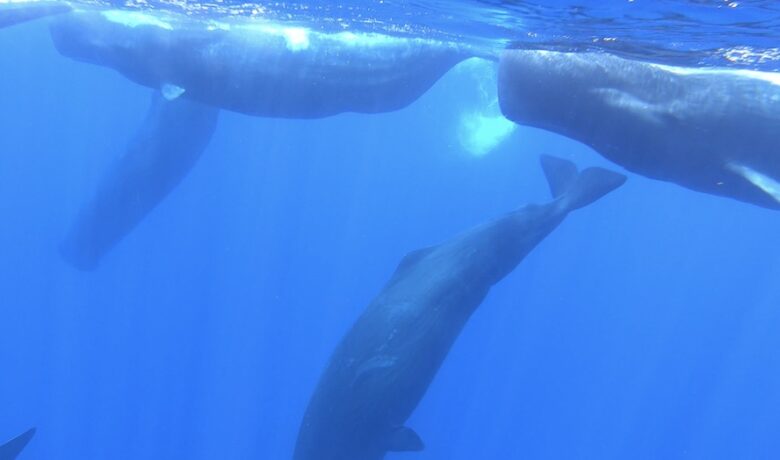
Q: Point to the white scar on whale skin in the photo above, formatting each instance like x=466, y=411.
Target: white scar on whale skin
x=623, y=100
x=134, y=19
x=374, y=364
x=296, y=38
x=767, y=184
x=769, y=77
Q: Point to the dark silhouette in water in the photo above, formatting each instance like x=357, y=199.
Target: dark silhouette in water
x=381, y=369
x=170, y=141
x=714, y=131
x=252, y=68
x=257, y=68
x=12, y=449
x=17, y=13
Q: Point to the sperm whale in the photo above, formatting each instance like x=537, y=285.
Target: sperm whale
x=709, y=130
x=383, y=366
x=253, y=68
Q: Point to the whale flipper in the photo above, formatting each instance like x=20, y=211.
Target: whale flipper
x=12, y=449
x=404, y=439
x=169, y=143
x=766, y=184
x=576, y=190
x=171, y=92
x=12, y=14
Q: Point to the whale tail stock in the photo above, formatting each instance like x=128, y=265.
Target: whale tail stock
x=165, y=148
x=576, y=189
x=11, y=449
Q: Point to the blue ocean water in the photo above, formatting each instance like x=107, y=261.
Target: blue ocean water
x=643, y=327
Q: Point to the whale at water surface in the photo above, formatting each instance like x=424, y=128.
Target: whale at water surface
x=383, y=366
x=712, y=130
x=12, y=13
x=258, y=68
x=249, y=67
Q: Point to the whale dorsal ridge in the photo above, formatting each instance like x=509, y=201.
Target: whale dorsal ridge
x=404, y=439
x=411, y=259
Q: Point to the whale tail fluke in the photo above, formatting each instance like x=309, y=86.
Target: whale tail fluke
x=578, y=189
x=11, y=449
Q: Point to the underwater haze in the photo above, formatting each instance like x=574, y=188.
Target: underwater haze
x=644, y=327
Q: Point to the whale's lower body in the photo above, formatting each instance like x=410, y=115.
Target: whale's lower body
x=166, y=147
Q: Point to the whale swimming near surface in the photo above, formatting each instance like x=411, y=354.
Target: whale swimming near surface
x=12, y=13
x=383, y=366
x=712, y=130
x=250, y=67
x=12, y=449
x=258, y=68
x=168, y=144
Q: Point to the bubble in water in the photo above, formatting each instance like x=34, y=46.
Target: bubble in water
x=483, y=128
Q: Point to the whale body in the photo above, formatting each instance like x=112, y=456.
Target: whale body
x=168, y=144
x=712, y=130
x=12, y=449
x=17, y=13
x=257, y=68
x=251, y=67
x=384, y=364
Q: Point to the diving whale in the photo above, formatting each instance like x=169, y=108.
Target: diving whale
x=712, y=130
x=18, y=12
x=383, y=366
x=12, y=449
x=258, y=68
x=168, y=144
x=250, y=67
